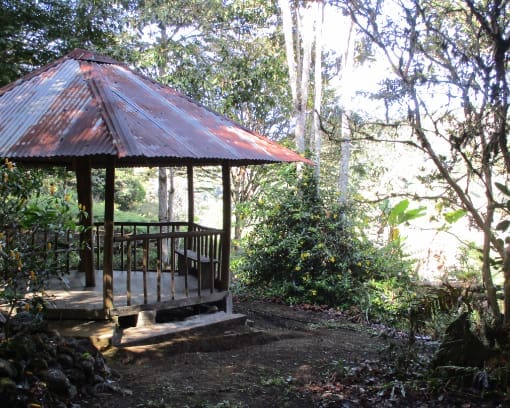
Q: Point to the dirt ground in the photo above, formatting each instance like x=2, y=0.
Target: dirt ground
x=282, y=358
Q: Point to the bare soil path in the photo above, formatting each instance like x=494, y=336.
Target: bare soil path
x=284, y=359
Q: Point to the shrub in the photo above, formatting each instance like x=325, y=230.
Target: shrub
x=129, y=190
x=27, y=262
x=311, y=251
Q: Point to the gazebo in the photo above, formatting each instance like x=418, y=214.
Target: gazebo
x=87, y=111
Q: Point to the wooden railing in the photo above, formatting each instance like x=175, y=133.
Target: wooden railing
x=187, y=255
x=58, y=252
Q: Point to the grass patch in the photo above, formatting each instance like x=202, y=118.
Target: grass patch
x=121, y=216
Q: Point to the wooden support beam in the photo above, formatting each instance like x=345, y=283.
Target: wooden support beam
x=84, y=186
x=191, y=196
x=109, y=200
x=227, y=226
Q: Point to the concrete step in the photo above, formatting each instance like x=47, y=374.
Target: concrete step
x=159, y=332
x=99, y=332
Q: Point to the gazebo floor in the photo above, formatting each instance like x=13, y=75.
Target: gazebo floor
x=70, y=299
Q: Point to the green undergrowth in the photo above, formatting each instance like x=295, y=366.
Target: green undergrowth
x=310, y=250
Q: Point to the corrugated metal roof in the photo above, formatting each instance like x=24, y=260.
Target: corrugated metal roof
x=88, y=105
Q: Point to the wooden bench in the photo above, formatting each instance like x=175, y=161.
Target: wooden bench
x=205, y=265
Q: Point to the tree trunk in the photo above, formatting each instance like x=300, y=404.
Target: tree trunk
x=306, y=31
x=298, y=66
x=486, y=250
x=237, y=186
x=318, y=88
x=345, y=158
x=171, y=194
x=506, y=272
x=345, y=93
x=163, y=206
x=165, y=199
x=289, y=48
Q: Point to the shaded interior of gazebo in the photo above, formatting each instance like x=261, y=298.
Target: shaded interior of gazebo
x=87, y=111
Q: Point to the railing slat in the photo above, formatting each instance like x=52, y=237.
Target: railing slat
x=186, y=271
x=141, y=249
x=172, y=268
x=145, y=263
x=158, y=269
x=128, y=274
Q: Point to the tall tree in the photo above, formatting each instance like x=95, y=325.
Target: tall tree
x=298, y=30
x=449, y=74
x=164, y=38
x=226, y=56
x=317, y=102
x=345, y=90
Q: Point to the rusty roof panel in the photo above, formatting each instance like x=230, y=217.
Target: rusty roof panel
x=89, y=105
x=52, y=115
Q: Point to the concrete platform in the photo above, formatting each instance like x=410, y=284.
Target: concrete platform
x=105, y=334
x=159, y=332
x=99, y=332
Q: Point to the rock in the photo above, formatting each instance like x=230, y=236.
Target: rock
x=25, y=322
x=40, y=341
x=23, y=346
x=65, y=348
x=39, y=363
x=72, y=392
x=39, y=366
x=460, y=347
x=7, y=369
x=65, y=360
x=98, y=379
x=87, y=366
x=7, y=387
x=57, y=381
x=76, y=376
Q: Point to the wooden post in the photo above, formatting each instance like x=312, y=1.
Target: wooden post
x=84, y=186
x=191, y=197
x=190, y=243
x=227, y=225
x=109, y=199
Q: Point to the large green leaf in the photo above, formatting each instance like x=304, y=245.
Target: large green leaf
x=399, y=214
x=453, y=216
x=394, y=218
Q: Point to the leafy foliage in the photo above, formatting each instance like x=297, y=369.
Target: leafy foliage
x=449, y=68
x=312, y=252
x=35, y=32
x=129, y=190
x=27, y=258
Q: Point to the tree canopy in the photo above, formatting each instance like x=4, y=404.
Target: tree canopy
x=448, y=89
x=34, y=32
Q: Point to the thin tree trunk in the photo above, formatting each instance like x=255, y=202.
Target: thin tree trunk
x=318, y=88
x=486, y=267
x=237, y=185
x=289, y=48
x=171, y=193
x=163, y=206
x=306, y=30
x=506, y=289
x=165, y=199
x=345, y=158
x=163, y=194
x=298, y=64
x=345, y=100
